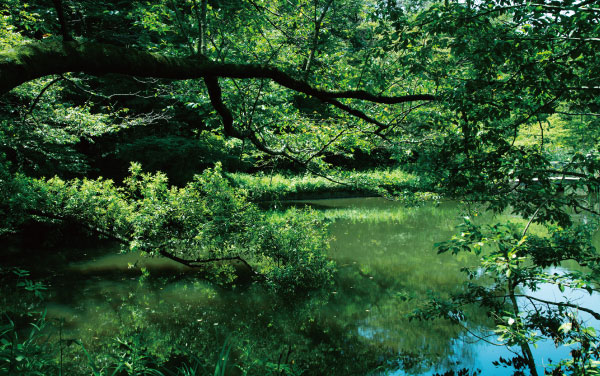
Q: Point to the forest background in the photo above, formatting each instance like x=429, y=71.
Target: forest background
x=161, y=125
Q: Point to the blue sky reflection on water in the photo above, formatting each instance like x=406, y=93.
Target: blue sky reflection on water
x=480, y=355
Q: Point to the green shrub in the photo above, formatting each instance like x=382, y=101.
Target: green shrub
x=295, y=246
x=208, y=223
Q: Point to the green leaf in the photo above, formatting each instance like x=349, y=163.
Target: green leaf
x=565, y=328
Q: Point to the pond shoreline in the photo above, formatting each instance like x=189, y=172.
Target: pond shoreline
x=375, y=183
x=333, y=195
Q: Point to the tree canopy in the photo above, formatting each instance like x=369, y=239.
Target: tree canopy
x=451, y=82
x=467, y=95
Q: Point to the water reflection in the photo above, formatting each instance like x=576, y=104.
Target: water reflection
x=391, y=267
x=387, y=265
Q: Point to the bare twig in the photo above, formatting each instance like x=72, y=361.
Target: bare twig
x=595, y=314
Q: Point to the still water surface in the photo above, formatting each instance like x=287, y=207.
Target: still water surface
x=386, y=267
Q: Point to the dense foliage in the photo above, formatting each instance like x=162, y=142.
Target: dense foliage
x=493, y=102
x=203, y=224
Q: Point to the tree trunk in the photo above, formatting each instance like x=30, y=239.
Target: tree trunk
x=525, y=349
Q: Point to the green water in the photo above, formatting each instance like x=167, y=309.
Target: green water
x=386, y=266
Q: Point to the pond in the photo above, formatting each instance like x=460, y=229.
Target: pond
x=386, y=267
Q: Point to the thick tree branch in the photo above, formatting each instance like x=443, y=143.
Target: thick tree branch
x=27, y=62
x=35, y=60
x=216, y=100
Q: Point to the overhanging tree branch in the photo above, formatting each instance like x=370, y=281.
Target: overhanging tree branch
x=595, y=314
x=126, y=241
x=216, y=100
x=28, y=62
x=41, y=93
x=201, y=262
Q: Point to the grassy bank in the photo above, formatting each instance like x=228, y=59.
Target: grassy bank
x=267, y=187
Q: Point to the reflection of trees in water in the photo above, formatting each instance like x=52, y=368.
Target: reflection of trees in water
x=322, y=332
x=384, y=270
x=380, y=312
